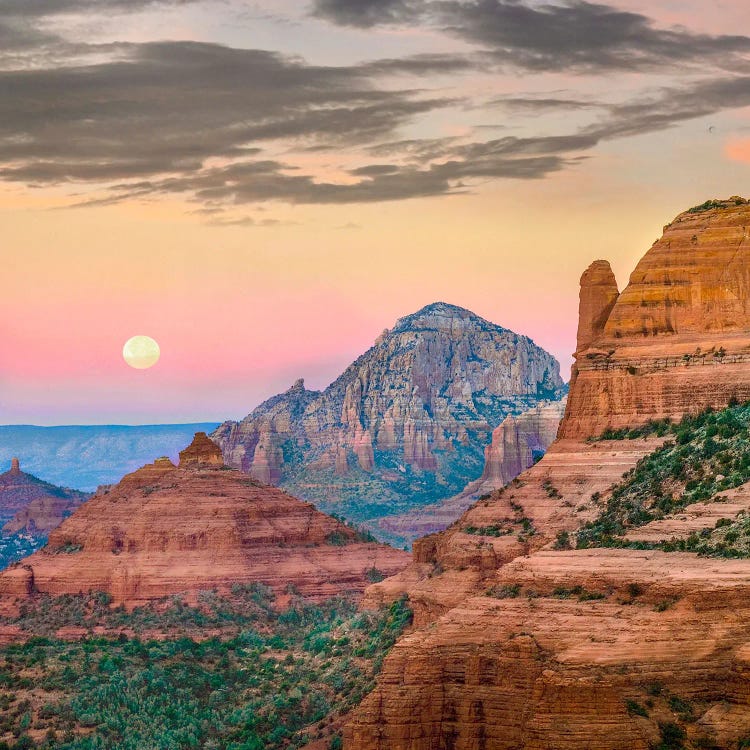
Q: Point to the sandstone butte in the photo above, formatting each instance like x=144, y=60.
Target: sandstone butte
x=30, y=504
x=168, y=529
x=517, y=644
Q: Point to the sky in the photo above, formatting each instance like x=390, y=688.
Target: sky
x=263, y=187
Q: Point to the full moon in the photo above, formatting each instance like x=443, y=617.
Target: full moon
x=141, y=352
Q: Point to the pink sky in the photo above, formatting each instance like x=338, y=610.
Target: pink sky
x=248, y=298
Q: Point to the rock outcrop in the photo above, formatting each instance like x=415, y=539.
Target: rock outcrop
x=516, y=444
x=522, y=642
x=678, y=337
x=405, y=425
x=168, y=529
x=30, y=504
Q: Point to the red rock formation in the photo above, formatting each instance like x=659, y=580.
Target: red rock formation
x=521, y=643
x=516, y=442
x=27, y=503
x=393, y=428
x=166, y=530
x=678, y=337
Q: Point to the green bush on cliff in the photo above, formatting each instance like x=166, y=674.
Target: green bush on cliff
x=710, y=454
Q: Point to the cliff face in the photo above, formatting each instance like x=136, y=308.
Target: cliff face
x=522, y=642
x=165, y=530
x=678, y=337
x=404, y=425
x=516, y=444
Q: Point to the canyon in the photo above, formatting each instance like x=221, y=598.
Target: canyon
x=525, y=636
x=406, y=424
x=166, y=530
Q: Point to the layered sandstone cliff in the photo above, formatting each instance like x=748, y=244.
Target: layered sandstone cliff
x=677, y=339
x=405, y=425
x=521, y=641
x=169, y=529
x=517, y=443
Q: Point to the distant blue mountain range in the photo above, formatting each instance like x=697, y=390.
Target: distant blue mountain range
x=85, y=456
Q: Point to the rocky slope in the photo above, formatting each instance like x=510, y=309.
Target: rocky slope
x=404, y=425
x=29, y=504
x=517, y=443
x=168, y=529
x=522, y=641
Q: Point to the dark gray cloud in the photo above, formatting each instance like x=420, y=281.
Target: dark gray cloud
x=446, y=166
x=575, y=35
x=198, y=120
x=42, y=8
x=367, y=13
x=170, y=106
x=535, y=104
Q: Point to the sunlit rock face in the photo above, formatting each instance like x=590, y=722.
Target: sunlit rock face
x=168, y=529
x=677, y=339
x=405, y=425
x=522, y=643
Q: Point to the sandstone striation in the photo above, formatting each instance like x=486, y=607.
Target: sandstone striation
x=520, y=641
x=168, y=529
x=678, y=337
x=516, y=444
x=405, y=425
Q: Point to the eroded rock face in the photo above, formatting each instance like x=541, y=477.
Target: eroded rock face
x=676, y=340
x=516, y=444
x=166, y=530
x=522, y=643
x=30, y=504
x=404, y=425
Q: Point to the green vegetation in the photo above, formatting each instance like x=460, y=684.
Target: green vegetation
x=493, y=530
x=276, y=678
x=710, y=453
x=635, y=709
x=714, y=203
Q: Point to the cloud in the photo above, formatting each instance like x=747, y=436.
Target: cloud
x=207, y=122
x=169, y=106
x=577, y=36
x=43, y=8
x=367, y=13
x=537, y=104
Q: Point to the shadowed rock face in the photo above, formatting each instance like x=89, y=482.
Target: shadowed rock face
x=404, y=425
x=522, y=643
x=28, y=503
x=677, y=339
x=168, y=529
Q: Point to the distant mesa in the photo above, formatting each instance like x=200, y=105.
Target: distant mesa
x=30, y=504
